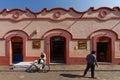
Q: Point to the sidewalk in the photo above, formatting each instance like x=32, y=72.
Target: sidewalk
x=64, y=67
x=82, y=67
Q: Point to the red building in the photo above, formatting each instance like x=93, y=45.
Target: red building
x=66, y=36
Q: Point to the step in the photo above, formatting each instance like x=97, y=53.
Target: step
x=61, y=66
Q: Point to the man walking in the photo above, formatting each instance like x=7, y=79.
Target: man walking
x=91, y=62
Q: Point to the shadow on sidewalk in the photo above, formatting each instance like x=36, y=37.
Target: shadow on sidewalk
x=71, y=75
x=74, y=76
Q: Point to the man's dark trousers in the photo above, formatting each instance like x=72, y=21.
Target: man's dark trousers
x=92, y=66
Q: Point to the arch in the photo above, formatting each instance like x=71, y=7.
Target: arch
x=60, y=31
x=57, y=33
x=15, y=32
x=9, y=36
x=104, y=34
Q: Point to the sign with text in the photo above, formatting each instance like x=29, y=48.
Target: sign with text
x=82, y=44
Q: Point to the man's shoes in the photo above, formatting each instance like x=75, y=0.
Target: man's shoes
x=83, y=76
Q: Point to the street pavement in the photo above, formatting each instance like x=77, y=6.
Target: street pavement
x=63, y=72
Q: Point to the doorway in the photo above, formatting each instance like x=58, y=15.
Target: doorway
x=17, y=51
x=57, y=49
x=103, y=49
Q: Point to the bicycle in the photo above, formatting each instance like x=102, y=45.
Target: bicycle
x=35, y=67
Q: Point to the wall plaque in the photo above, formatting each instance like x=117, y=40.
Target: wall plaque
x=36, y=44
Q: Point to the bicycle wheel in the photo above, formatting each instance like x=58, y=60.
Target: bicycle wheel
x=46, y=68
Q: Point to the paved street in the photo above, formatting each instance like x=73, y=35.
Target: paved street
x=59, y=75
x=63, y=72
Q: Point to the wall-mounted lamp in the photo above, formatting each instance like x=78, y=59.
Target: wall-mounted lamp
x=36, y=32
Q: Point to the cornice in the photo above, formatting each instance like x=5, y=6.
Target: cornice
x=60, y=14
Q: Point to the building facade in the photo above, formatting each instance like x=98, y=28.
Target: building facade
x=66, y=36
